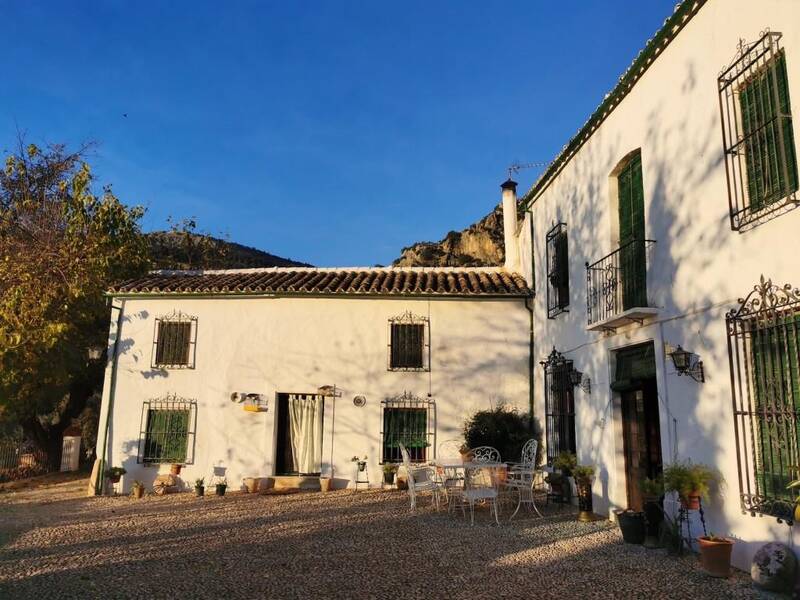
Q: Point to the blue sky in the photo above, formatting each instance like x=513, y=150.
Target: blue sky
x=330, y=132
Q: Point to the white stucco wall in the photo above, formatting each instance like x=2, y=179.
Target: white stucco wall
x=699, y=266
x=479, y=357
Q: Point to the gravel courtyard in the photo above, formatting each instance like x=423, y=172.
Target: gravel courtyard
x=54, y=543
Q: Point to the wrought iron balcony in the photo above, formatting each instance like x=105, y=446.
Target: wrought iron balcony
x=616, y=287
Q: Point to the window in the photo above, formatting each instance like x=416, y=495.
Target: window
x=174, y=342
x=557, y=271
x=758, y=135
x=406, y=420
x=166, y=431
x=559, y=400
x=408, y=343
x=764, y=344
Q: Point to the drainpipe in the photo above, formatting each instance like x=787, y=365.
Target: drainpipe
x=98, y=490
x=531, y=360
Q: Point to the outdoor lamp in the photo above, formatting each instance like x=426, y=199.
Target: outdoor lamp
x=576, y=378
x=682, y=359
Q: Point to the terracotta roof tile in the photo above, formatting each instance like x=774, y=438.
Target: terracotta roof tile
x=477, y=281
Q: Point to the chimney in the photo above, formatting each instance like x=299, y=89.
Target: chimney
x=509, y=188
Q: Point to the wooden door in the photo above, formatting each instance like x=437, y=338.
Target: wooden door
x=641, y=439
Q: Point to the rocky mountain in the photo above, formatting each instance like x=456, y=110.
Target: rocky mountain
x=183, y=250
x=479, y=245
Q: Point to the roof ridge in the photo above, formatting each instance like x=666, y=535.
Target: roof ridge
x=187, y=272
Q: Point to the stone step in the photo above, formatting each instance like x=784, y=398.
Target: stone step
x=296, y=482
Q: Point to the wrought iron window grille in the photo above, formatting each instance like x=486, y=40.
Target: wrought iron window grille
x=559, y=399
x=764, y=353
x=618, y=281
x=557, y=260
x=757, y=133
x=167, y=430
x=174, y=341
x=410, y=420
x=408, y=343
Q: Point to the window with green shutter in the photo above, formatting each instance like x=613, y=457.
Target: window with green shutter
x=557, y=270
x=632, y=259
x=174, y=342
x=167, y=431
x=758, y=133
x=408, y=343
x=406, y=420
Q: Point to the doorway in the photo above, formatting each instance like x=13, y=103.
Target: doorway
x=635, y=380
x=299, y=419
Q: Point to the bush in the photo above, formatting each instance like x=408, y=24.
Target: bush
x=504, y=429
x=566, y=463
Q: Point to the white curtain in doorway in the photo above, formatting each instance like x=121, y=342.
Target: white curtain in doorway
x=305, y=427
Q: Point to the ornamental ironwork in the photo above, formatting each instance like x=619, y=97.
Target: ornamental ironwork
x=764, y=353
x=559, y=399
x=174, y=341
x=408, y=420
x=408, y=347
x=557, y=270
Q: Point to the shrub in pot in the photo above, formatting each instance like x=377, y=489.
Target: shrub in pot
x=362, y=462
x=690, y=481
x=220, y=487
x=388, y=473
x=653, y=494
x=715, y=555
x=175, y=469
x=199, y=487
x=565, y=463
x=632, y=525
x=584, y=475
x=504, y=429
x=115, y=473
x=559, y=486
x=138, y=489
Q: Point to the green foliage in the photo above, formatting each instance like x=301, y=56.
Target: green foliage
x=653, y=488
x=566, y=463
x=198, y=483
x=138, y=484
x=114, y=472
x=389, y=468
x=504, y=429
x=583, y=473
x=61, y=245
x=688, y=479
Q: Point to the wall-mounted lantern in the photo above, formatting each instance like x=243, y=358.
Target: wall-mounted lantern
x=578, y=379
x=686, y=364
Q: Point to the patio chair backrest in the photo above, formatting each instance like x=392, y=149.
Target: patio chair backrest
x=485, y=454
x=449, y=449
x=405, y=455
x=528, y=457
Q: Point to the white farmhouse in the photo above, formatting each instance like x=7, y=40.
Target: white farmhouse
x=652, y=230
x=294, y=371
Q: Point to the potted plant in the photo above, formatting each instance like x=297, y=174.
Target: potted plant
x=175, y=469
x=199, y=487
x=584, y=475
x=715, y=555
x=138, y=489
x=221, y=486
x=632, y=525
x=794, y=485
x=251, y=483
x=388, y=473
x=362, y=462
x=115, y=473
x=690, y=481
x=557, y=483
x=653, y=493
x=566, y=463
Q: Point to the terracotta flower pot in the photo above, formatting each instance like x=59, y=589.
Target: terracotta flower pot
x=138, y=491
x=251, y=483
x=114, y=478
x=175, y=469
x=715, y=556
x=324, y=484
x=691, y=501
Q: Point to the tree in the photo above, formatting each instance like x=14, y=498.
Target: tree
x=61, y=246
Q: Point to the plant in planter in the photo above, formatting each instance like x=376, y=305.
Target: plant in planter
x=138, y=489
x=632, y=525
x=690, y=481
x=794, y=485
x=220, y=487
x=566, y=463
x=175, y=469
x=557, y=483
x=653, y=493
x=199, y=487
x=715, y=555
x=584, y=475
x=388, y=473
x=362, y=462
x=115, y=473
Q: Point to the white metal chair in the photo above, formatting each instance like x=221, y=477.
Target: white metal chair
x=421, y=478
x=481, y=487
x=485, y=454
x=522, y=475
x=451, y=479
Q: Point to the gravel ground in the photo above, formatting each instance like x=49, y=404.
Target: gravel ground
x=54, y=543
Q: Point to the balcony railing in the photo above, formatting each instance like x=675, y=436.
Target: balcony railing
x=616, y=286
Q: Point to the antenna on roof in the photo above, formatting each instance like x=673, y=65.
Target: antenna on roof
x=516, y=167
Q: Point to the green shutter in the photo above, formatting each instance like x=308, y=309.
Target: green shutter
x=631, y=227
x=769, y=149
x=167, y=435
x=562, y=266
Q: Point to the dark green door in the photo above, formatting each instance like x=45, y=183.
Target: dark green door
x=633, y=275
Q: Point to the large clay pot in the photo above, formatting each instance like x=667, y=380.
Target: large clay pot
x=324, y=484
x=631, y=523
x=691, y=501
x=251, y=483
x=138, y=491
x=175, y=469
x=715, y=556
